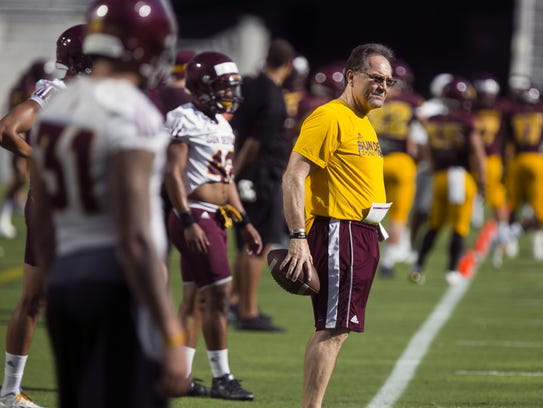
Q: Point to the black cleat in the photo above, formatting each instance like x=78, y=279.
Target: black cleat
x=227, y=387
x=258, y=323
x=386, y=272
x=198, y=390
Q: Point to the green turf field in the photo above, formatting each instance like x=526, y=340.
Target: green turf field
x=489, y=353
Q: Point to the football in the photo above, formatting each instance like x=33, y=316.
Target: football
x=301, y=286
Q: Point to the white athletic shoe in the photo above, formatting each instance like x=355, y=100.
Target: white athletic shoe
x=453, y=277
x=537, y=245
x=511, y=248
x=17, y=401
x=7, y=229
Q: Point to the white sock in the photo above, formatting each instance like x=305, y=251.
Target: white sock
x=218, y=360
x=189, y=354
x=13, y=374
x=516, y=229
x=504, y=232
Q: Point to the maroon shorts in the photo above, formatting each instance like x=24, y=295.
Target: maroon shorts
x=203, y=269
x=345, y=254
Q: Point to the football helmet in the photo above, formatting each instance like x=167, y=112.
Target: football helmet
x=70, y=57
x=486, y=85
x=40, y=69
x=461, y=90
x=181, y=60
x=521, y=89
x=140, y=33
x=329, y=80
x=214, y=81
x=403, y=73
x=438, y=83
x=297, y=78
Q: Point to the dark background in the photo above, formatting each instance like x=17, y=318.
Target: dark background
x=462, y=37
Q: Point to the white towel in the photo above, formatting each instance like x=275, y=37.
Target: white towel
x=456, y=178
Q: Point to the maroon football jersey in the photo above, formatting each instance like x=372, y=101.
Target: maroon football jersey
x=489, y=121
x=167, y=98
x=526, y=127
x=448, y=138
x=392, y=122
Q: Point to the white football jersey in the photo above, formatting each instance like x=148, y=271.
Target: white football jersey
x=211, y=145
x=76, y=134
x=44, y=89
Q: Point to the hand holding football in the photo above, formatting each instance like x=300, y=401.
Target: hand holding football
x=301, y=286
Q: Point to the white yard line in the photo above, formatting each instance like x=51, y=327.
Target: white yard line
x=407, y=364
x=506, y=344
x=495, y=373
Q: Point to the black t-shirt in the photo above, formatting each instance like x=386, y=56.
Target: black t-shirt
x=262, y=116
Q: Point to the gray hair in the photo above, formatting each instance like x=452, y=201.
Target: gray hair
x=360, y=54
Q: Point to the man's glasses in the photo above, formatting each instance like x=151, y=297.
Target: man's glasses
x=380, y=80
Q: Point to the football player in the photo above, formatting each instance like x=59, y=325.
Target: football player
x=71, y=62
x=524, y=172
x=171, y=93
x=490, y=111
x=199, y=179
x=454, y=145
x=14, y=195
x=423, y=191
x=99, y=197
x=400, y=136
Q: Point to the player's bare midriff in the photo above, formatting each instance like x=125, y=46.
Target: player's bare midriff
x=213, y=193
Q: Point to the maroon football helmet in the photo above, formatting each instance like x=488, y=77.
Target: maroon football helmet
x=461, y=90
x=182, y=58
x=142, y=34
x=214, y=81
x=70, y=57
x=403, y=73
x=329, y=80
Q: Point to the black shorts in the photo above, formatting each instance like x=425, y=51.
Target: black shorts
x=266, y=214
x=99, y=360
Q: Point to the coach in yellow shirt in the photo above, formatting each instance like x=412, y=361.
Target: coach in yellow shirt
x=334, y=199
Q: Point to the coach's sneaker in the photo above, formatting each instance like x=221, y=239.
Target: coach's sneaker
x=227, y=387
x=417, y=277
x=453, y=277
x=17, y=401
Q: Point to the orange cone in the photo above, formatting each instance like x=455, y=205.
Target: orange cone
x=467, y=263
x=485, y=238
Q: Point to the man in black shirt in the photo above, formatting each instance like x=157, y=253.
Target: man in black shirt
x=262, y=150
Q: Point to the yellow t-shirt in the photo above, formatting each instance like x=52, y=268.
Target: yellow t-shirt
x=349, y=173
